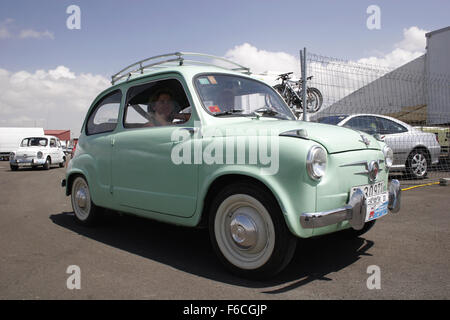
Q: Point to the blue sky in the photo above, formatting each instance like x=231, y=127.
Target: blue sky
x=115, y=33
x=49, y=74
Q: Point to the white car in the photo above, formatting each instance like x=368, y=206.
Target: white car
x=38, y=151
x=414, y=151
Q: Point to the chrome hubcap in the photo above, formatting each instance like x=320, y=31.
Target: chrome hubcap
x=244, y=231
x=81, y=198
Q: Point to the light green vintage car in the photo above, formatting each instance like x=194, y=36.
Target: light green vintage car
x=202, y=144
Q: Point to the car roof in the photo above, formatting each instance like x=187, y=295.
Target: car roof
x=376, y=115
x=44, y=136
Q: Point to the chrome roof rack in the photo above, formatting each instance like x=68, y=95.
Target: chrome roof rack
x=179, y=58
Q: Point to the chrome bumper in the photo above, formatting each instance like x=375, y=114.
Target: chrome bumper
x=27, y=162
x=354, y=211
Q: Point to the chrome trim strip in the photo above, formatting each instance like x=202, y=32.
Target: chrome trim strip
x=179, y=58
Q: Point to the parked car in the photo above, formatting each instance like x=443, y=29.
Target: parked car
x=38, y=151
x=414, y=151
x=10, y=138
x=207, y=146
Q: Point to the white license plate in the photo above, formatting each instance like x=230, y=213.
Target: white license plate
x=376, y=199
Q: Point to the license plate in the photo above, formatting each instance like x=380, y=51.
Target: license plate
x=376, y=200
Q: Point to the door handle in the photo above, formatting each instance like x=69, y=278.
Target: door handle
x=190, y=130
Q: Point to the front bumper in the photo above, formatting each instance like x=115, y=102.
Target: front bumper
x=354, y=211
x=27, y=162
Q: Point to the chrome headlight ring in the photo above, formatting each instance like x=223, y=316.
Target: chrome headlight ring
x=388, y=156
x=40, y=154
x=316, y=162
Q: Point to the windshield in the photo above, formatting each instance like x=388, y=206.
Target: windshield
x=239, y=96
x=34, y=142
x=332, y=119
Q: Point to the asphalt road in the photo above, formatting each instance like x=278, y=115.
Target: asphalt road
x=133, y=258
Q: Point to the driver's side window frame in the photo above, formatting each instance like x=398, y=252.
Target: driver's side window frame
x=153, y=83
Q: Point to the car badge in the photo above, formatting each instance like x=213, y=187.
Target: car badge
x=365, y=140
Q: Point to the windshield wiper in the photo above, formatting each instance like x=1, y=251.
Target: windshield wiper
x=228, y=112
x=269, y=112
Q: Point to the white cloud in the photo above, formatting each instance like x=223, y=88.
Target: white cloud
x=261, y=61
x=8, y=24
x=410, y=47
x=33, y=34
x=54, y=99
x=4, y=30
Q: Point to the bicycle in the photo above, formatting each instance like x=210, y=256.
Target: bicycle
x=292, y=92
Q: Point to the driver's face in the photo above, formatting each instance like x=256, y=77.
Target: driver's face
x=164, y=104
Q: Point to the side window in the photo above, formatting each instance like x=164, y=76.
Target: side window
x=391, y=127
x=52, y=143
x=155, y=104
x=363, y=123
x=104, y=116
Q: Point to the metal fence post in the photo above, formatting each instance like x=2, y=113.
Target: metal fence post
x=304, y=86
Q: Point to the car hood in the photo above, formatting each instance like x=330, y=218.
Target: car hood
x=333, y=138
x=28, y=150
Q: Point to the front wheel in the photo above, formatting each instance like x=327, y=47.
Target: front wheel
x=13, y=167
x=63, y=163
x=248, y=231
x=47, y=164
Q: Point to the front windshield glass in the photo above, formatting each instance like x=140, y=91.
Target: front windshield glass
x=239, y=96
x=34, y=142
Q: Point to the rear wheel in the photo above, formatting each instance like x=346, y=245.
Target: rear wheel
x=315, y=99
x=86, y=212
x=248, y=231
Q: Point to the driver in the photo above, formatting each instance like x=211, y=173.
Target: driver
x=161, y=109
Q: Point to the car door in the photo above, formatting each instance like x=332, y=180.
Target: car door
x=53, y=150
x=397, y=138
x=144, y=175
x=96, y=145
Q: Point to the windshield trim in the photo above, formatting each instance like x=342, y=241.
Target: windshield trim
x=238, y=76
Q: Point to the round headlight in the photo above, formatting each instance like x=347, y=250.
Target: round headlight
x=39, y=154
x=316, y=162
x=388, y=156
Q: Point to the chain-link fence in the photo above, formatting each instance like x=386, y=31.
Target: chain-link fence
x=408, y=107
